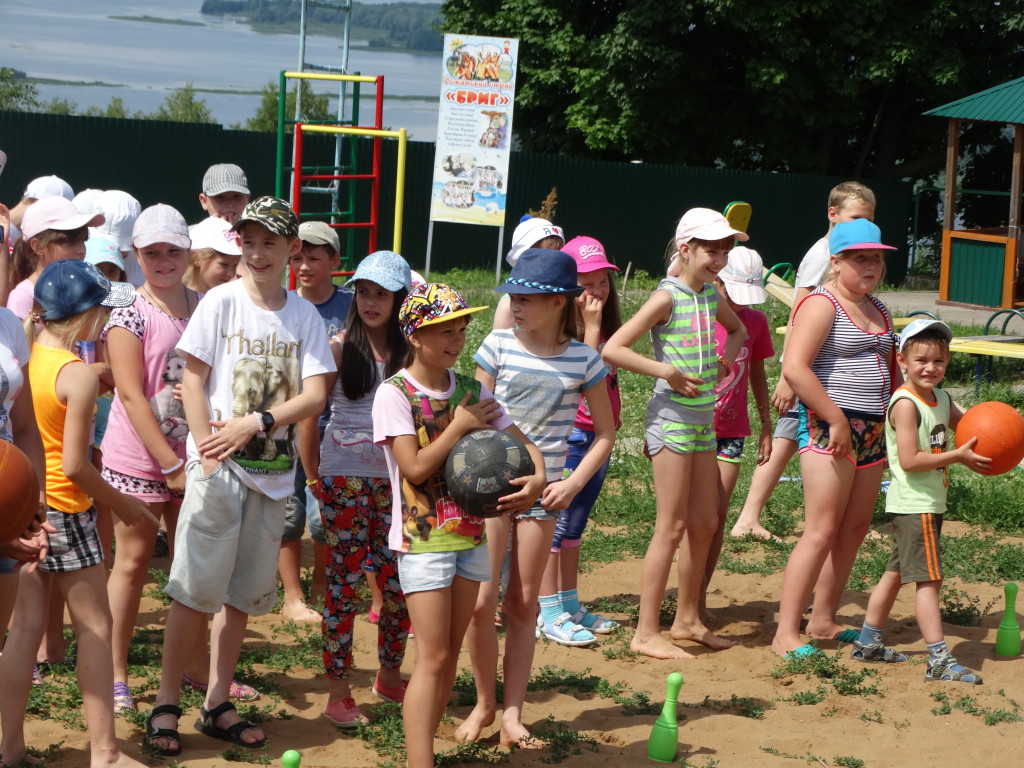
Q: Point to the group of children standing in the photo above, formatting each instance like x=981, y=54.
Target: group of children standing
x=212, y=397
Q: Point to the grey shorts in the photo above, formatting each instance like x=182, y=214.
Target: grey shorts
x=679, y=436
x=227, y=545
x=787, y=426
x=424, y=571
x=75, y=545
x=538, y=513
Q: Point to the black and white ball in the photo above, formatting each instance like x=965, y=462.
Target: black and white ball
x=480, y=467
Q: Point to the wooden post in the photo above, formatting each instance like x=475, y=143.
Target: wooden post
x=1015, y=179
x=952, y=165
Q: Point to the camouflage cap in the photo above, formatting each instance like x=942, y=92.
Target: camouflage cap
x=273, y=213
x=432, y=303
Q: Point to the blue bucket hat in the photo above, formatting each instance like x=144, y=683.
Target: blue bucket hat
x=385, y=268
x=542, y=270
x=856, y=235
x=69, y=287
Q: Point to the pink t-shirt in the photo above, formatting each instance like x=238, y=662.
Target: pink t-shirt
x=731, y=419
x=20, y=299
x=163, y=367
x=583, y=420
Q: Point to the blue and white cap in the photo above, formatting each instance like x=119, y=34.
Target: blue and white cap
x=69, y=287
x=923, y=324
x=385, y=268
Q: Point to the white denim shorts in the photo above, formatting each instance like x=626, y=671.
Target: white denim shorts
x=227, y=544
x=424, y=571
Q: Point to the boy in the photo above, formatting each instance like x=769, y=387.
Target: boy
x=846, y=202
x=225, y=191
x=313, y=265
x=916, y=429
x=256, y=361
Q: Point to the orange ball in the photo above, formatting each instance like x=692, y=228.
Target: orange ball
x=19, y=491
x=1000, y=432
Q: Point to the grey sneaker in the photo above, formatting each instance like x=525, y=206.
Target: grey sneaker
x=876, y=652
x=948, y=668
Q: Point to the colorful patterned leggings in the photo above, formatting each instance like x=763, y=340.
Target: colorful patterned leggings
x=356, y=513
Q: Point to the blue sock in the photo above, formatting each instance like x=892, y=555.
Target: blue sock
x=869, y=633
x=550, y=607
x=937, y=650
x=570, y=601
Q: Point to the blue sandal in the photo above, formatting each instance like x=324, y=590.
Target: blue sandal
x=565, y=632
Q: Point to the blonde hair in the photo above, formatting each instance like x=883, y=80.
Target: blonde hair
x=67, y=330
x=195, y=258
x=841, y=194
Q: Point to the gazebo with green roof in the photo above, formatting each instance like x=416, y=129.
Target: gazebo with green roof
x=982, y=267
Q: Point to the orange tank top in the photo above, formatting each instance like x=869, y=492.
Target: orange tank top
x=44, y=365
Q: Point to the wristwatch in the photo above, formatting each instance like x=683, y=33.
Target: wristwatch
x=268, y=421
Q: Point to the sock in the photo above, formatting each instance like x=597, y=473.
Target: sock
x=550, y=607
x=570, y=601
x=869, y=633
x=937, y=651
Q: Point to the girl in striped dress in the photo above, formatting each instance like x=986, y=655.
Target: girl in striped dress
x=680, y=432
x=840, y=362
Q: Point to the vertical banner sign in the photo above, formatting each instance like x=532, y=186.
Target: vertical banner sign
x=474, y=130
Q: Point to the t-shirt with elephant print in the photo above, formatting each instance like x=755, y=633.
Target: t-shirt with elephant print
x=162, y=368
x=258, y=359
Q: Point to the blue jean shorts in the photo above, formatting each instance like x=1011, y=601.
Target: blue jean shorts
x=425, y=571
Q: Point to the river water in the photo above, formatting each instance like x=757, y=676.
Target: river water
x=142, y=61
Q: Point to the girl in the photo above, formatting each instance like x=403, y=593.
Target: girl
x=214, y=257
x=531, y=233
x=353, y=485
x=680, y=316
x=52, y=229
x=840, y=362
x=418, y=415
x=599, y=307
x=538, y=373
x=68, y=295
x=144, y=444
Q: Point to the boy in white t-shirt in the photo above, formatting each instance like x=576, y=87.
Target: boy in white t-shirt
x=257, y=362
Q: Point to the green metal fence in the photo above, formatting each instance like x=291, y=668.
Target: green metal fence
x=631, y=208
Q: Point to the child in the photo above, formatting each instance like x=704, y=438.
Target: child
x=37, y=189
x=680, y=430
x=599, y=308
x=256, y=361
x=531, y=233
x=144, y=443
x=120, y=210
x=740, y=282
x=354, y=488
x=916, y=431
x=846, y=202
x=418, y=415
x=314, y=266
x=69, y=300
x=214, y=257
x=225, y=192
x=840, y=362
x=102, y=253
x=538, y=373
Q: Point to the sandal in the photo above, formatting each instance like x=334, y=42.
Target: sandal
x=564, y=632
x=37, y=676
x=595, y=622
x=163, y=733
x=238, y=691
x=123, y=701
x=345, y=714
x=876, y=652
x=207, y=725
x=948, y=668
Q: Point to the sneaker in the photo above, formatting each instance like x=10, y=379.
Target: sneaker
x=875, y=652
x=345, y=714
x=595, y=622
x=564, y=632
x=395, y=694
x=948, y=668
x=123, y=701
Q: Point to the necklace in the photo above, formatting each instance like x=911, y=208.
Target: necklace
x=164, y=309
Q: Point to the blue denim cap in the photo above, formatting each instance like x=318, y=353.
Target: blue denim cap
x=69, y=287
x=385, y=268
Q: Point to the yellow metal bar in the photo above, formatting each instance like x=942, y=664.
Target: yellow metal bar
x=352, y=131
x=316, y=76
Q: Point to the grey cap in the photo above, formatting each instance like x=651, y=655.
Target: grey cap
x=224, y=177
x=319, y=233
x=160, y=223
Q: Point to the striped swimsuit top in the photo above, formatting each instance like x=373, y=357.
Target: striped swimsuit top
x=687, y=341
x=852, y=365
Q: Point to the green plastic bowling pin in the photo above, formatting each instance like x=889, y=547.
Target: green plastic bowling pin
x=291, y=759
x=664, y=741
x=1008, y=634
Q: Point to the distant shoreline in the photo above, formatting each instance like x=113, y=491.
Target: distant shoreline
x=159, y=20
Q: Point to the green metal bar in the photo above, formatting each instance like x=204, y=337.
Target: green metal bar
x=783, y=267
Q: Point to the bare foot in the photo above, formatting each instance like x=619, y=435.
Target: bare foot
x=741, y=529
x=828, y=632
x=518, y=736
x=783, y=644
x=479, y=718
x=299, y=612
x=114, y=758
x=657, y=647
x=700, y=634
x=26, y=759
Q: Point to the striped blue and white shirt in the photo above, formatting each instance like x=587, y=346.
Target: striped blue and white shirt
x=541, y=394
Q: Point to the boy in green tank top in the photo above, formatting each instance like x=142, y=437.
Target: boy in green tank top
x=917, y=427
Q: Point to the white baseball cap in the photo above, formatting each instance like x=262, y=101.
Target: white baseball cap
x=530, y=232
x=48, y=186
x=742, y=276
x=216, y=234
x=120, y=210
x=706, y=224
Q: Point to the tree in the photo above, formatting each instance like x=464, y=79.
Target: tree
x=115, y=108
x=182, y=106
x=813, y=87
x=16, y=95
x=314, y=107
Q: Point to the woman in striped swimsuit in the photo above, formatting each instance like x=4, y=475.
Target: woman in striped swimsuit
x=840, y=362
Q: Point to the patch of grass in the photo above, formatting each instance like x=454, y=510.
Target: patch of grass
x=740, y=705
x=830, y=671
x=969, y=705
x=303, y=649
x=958, y=607
x=872, y=557
x=385, y=734
x=709, y=762
x=872, y=717
x=247, y=755
x=471, y=752
x=975, y=557
x=615, y=604
x=848, y=762
x=562, y=741
x=156, y=589
x=808, y=698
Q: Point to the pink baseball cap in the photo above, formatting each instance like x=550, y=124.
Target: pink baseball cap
x=589, y=254
x=706, y=224
x=56, y=213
